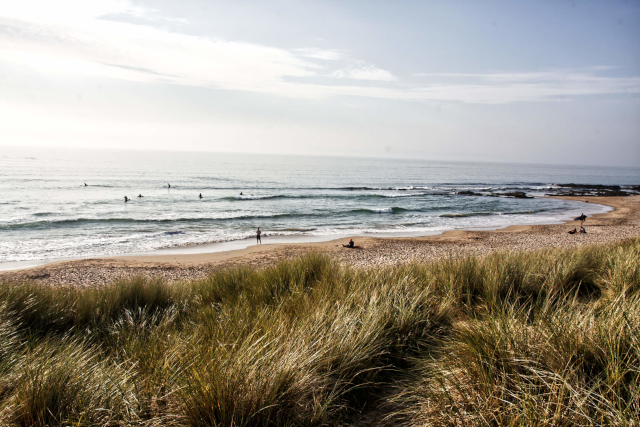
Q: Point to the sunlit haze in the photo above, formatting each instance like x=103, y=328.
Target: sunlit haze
x=534, y=82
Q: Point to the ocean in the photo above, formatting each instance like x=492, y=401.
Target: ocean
x=47, y=212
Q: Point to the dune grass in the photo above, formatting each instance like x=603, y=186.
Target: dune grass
x=532, y=338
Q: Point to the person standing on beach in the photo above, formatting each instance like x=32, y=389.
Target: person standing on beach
x=582, y=218
x=258, y=233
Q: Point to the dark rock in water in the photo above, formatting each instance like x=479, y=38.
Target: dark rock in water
x=518, y=195
x=571, y=193
x=611, y=193
x=597, y=190
x=468, y=193
x=591, y=186
x=633, y=188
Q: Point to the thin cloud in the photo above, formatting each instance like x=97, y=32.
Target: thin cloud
x=363, y=71
x=72, y=38
x=85, y=43
x=603, y=67
x=324, y=54
x=141, y=70
x=141, y=13
x=552, y=75
x=504, y=87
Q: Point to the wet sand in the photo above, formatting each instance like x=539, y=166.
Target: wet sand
x=621, y=223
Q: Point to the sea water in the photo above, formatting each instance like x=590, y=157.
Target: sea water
x=47, y=212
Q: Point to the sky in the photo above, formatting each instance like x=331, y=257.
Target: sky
x=553, y=82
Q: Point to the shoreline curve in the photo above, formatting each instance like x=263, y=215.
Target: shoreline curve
x=620, y=223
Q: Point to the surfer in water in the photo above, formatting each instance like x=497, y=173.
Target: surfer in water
x=241, y=193
x=168, y=185
x=85, y=184
x=126, y=199
x=140, y=195
x=258, y=234
x=200, y=195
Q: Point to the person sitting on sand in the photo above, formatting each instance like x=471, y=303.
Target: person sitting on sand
x=351, y=244
x=126, y=199
x=582, y=230
x=574, y=231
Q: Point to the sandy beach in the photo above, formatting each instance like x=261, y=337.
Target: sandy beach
x=621, y=223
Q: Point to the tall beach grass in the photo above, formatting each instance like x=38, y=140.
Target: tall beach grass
x=530, y=338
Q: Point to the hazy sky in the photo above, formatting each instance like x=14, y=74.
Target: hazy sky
x=526, y=81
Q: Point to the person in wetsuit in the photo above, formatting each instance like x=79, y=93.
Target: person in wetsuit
x=351, y=244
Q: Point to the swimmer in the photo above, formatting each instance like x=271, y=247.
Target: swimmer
x=168, y=185
x=241, y=193
x=126, y=199
x=140, y=195
x=85, y=184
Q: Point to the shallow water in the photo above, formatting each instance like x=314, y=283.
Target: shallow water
x=46, y=211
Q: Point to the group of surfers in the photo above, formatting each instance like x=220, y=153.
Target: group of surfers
x=582, y=218
x=126, y=199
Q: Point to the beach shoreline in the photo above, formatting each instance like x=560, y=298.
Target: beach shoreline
x=620, y=223
x=273, y=238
